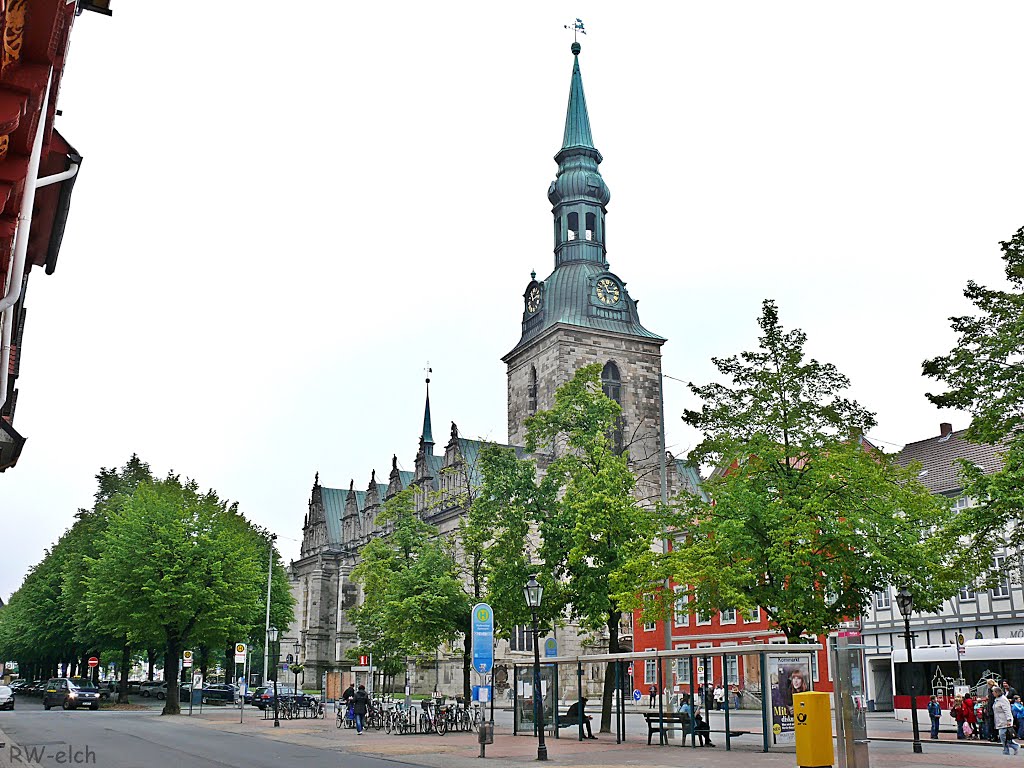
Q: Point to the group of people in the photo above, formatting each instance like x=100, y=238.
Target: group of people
x=998, y=716
x=358, y=703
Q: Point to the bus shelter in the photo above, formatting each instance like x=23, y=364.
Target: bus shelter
x=782, y=666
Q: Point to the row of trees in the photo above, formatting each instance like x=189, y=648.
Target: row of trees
x=154, y=568
x=801, y=517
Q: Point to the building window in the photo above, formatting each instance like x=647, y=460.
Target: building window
x=728, y=616
x=703, y=618
x=964, y=502
x=882, y=601
x=683, y=666
x=650, y=626
x=999, y=566
x=754, y=616
x=814, y=665
x=521, y=639
x=531, y=392
x=732, y=668
x=650, y=668
x=574, y=226
x=968, y=593
x=680, y=616
x=591, y=227
x=611, y=385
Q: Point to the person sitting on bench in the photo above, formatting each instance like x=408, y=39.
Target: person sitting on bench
x=702, y=731
x=572, y=716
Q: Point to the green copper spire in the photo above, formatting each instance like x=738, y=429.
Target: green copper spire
x=577, y=121
x=427, y=436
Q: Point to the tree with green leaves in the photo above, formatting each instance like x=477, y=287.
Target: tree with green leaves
x=802, y=517
x=985, y=376
x=570, y=516
x=180, y=561
x=413, y=595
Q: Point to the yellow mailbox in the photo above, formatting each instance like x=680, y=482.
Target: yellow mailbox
x=812, y=726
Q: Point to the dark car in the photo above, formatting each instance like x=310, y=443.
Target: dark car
x=220, y=693
x=263, y=696
x=63, y=692
x=18, y=686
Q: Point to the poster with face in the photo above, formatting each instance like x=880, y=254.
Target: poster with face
x=788, y=675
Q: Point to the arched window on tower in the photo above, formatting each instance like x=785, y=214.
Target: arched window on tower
x=573, y=220
x=591, y=232
x=611, y=385
x=531, y=392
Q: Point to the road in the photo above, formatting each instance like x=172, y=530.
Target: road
x=134, y=739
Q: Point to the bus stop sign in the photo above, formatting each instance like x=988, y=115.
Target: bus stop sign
x=483, y=638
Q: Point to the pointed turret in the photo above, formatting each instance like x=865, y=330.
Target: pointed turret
x=427, y=436
x=577, y=121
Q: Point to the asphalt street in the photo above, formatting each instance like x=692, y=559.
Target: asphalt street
x=143, y=739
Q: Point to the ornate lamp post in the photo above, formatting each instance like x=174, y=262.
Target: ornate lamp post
x=533, y=593
x=905, y=601
x=295, y=664
x=272, y=642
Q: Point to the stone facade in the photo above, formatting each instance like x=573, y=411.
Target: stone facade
x=579, y=315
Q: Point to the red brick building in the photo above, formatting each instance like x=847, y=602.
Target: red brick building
x=38, y=168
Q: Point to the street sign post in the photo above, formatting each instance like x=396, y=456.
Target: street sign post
x=186, y=658
x=483, y=638
x=550, y=647
x=93, y=662
x=636, y=694
x=239, y=653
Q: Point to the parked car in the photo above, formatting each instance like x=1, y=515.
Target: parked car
x=63, y=692
x=150, y=687
x=263, y=696
x=6, y=697
x=36, y=688
x=221, y=693
x=18, y=685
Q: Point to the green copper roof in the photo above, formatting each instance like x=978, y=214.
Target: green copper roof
x=577, y=121
x=334, y=508
x=428, y=436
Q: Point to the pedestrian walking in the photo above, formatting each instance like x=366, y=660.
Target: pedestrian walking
x=970, y=717
x=1018, y=716
x=719, y=696
x=957, y=713
x=935, y=712
x=1002, y=716
x=360, y=706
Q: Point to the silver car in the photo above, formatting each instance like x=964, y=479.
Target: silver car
x=6, y=697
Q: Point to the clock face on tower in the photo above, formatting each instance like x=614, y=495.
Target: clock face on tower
x=533, y=299
x=608, y=291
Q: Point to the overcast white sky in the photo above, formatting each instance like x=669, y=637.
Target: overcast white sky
x=284, y=212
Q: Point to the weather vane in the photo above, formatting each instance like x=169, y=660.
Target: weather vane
x=577, y=28
x=428, y=371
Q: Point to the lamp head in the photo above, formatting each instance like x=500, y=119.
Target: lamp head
x=272, y=634
x=905, y=602
x=533, y=592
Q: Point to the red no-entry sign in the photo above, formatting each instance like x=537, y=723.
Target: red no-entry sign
x=93, y=661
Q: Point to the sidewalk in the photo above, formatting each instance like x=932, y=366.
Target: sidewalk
x=461, y=750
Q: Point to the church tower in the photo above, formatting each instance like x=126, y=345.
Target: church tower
x=582, y=313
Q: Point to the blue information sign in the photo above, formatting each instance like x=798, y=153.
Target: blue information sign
x=483, y=638
x=636, y=695
x=550, y=647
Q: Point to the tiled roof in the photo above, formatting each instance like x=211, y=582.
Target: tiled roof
x=940, y=470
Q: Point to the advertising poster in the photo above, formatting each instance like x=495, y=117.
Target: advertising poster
x=788, y=675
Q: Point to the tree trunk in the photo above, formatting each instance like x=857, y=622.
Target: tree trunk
x=126, y=668
x=151, y=661
x=172, y=705
x=609, y=672
x=229, y=663
x=467, y=662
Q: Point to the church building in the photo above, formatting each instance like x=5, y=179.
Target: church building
x=578, y=315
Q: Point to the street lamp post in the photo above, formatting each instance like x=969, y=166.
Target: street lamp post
x=905, y=601
x=272, y=641
x=533, y=593
x=295, y=661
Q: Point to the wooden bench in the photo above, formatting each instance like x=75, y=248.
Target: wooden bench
x=672, y=719
x=663, y=723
